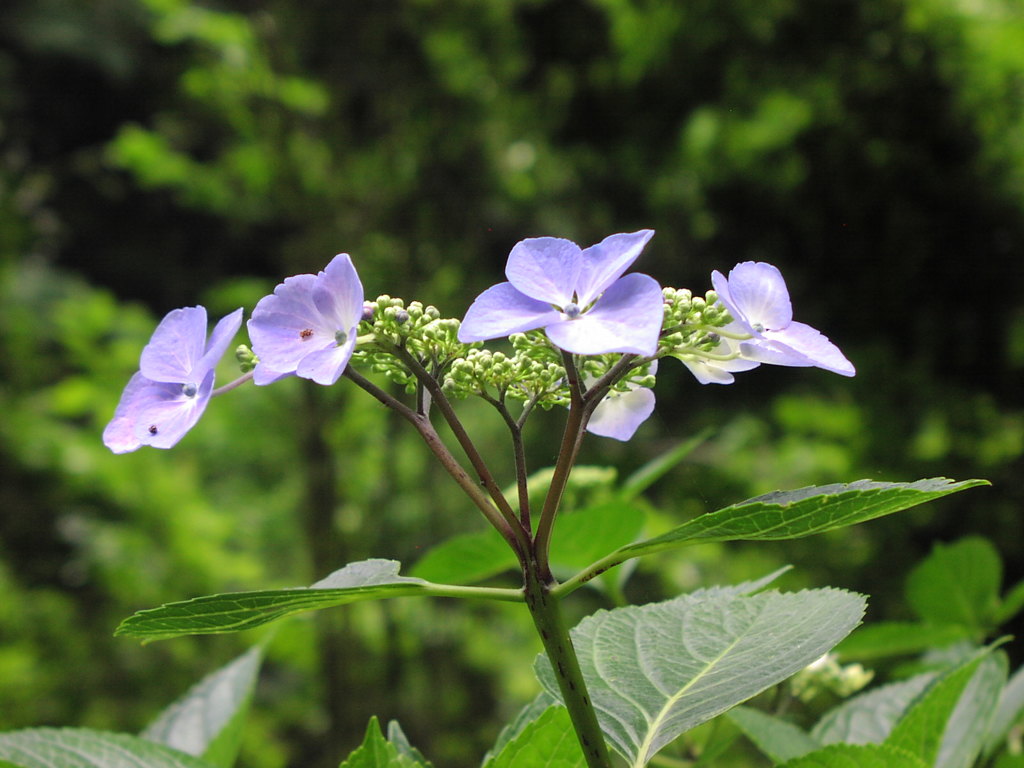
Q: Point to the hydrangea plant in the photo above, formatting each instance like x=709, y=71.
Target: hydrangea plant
x=579, y=339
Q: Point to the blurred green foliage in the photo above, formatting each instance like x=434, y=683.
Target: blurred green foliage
x=160, y=153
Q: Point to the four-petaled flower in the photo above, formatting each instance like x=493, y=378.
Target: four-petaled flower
x=172, y=388
x=578, y=296
x=307, y=327
x=757, y=298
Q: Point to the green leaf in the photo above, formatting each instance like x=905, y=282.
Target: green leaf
x=81, y=748
x=234, y=612
x=777, y=738
x=869, y=718
x=957, y=584
x=939, y=727
x=466, y=559
x=207, y=721
x=397, y=737
x=378, y=752
x=1009, y=711
x=530, y=712
x=850, y=756
x=803, y=512
x=547, y=742
x=584, y=536
x=1011, y=604
x=886, y=639
x=965, y=732
x=658, y=670
x=580, y=538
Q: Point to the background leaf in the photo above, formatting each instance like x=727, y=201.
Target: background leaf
x=850, y=756
x=207, y=721
x=885, y=639
x=923, y=729
x=1009, y=711
x=870, y=717
x=655, y=671
x=378, y=752
x=957, y=584
x=547, y=742
x=777, y=738
x=81, y=748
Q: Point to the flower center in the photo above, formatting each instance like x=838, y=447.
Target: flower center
x=189, y=389
x=340, y=337
x=759, y=327
x=571, y=310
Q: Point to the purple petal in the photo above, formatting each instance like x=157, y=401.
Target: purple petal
x=338, y=294
x=119, y=435
x=545, y=269
x=501, y=310
x=165, y=413
x=221, y=337
x=756, y=293
x=716, y=371
x=176, y=346
x=627, y=318
x=285, y=327
x=263, y=375
x=604, y=263
x=325, y=366
x=621, y=413
x=814, y=347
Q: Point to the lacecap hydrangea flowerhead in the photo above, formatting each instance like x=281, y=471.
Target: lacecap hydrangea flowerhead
x=307, y=326
x=579, y=296
x=172, y=388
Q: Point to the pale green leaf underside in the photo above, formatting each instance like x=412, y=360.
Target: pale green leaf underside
x=803, y=512
x=850, y=756
x=547, y=742
x=922, y=729
x=869, y=718
x=207, y=721
x=81, y=748
x=656, y=671
x=1009, y=710
x=233, y=612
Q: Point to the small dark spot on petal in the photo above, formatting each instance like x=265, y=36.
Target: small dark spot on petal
x=306, y=334
x=152, y=429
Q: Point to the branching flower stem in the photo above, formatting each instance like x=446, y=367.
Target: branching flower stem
x=232, y=384
x=519, y=452
x=480, y=467
x=513, y=534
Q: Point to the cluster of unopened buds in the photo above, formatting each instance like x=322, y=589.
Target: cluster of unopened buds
x=575, y=319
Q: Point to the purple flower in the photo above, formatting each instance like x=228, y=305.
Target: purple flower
x=307, y=327
x=578, y=297
x=719, y=366
x=757, y=298
x=620, y=414
x=167, y=396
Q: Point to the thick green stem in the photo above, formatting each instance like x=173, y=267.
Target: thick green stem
x=547, y=618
